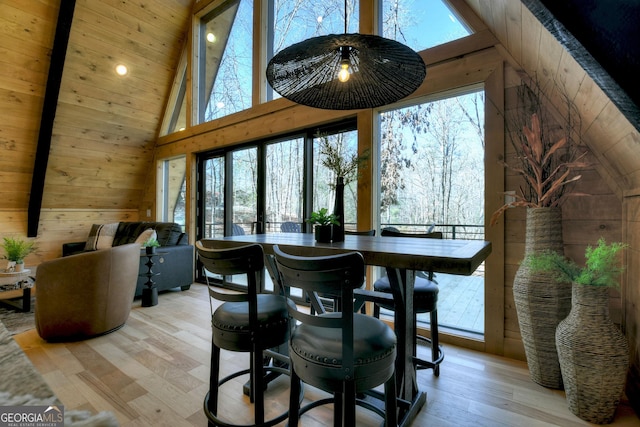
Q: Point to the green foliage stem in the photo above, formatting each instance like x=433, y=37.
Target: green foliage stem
x=151, y=243
x=602, y=266
x=323, y=217
x=17, y=249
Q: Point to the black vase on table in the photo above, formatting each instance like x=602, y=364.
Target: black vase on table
x=338, y=211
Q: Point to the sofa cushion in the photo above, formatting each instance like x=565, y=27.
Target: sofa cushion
x=101, y=236
x=168, y=233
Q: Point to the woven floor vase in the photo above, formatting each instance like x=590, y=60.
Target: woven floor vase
x=541, y=302
x=594, y=356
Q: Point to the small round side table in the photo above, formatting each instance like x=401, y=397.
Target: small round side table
x=150, y=292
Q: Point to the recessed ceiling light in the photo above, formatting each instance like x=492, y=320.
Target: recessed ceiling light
x=121, y=69
x=211, y=37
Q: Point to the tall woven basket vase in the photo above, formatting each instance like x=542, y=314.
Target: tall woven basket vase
x=541, y=302
x=594, y=356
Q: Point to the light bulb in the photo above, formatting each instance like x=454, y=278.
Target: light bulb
x=343, y=74
x=121, y=69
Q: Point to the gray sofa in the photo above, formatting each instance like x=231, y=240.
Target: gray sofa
x=175, y=265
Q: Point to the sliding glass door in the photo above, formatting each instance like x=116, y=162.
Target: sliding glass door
x=273, y=185
x=284, y=186
x=243, y=192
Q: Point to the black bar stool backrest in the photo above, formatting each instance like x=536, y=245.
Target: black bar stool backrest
x=335, y=276
x=393, y=233
x=361, y=233
x=247, y=260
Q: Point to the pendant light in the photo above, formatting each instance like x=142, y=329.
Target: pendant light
x=346, y=71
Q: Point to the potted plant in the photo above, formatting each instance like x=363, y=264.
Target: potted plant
x=150, y=245
x=546, y=158
x=593, y=353
x=16, y=250
x=324, y=222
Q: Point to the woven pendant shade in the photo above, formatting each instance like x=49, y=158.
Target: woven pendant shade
x=382, y=71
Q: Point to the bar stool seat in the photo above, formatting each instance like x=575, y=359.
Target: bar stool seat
x=232, y=330
x=317, y=349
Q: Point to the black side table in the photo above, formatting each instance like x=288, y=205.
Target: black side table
x=150, y=292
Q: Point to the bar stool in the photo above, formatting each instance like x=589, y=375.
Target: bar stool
x=360, y=233
x=425, y=300
x=246, y=322
x=343, y=353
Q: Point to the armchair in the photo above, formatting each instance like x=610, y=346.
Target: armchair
x=85, y=295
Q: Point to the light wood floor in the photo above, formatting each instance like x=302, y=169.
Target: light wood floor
x=154, y=372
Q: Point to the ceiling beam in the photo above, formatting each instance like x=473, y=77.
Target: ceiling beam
x=52, y=91
x=618, y=95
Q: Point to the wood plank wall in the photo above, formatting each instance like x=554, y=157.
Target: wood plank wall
x=106, y=126
x=612, y=211
x=597, y=213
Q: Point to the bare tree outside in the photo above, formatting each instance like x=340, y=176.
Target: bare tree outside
x=432, y=163
x=285, y=178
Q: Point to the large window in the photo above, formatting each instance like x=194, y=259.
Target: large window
x=432, y=178
x=172, y=190
x=297, y=20
x=238, y=195
x=225, y=60
x=224, y=46
x=284, y=187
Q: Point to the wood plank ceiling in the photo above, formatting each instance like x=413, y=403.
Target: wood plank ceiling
x=105, y=125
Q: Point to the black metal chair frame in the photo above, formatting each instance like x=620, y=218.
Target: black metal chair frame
x=247, y=260
x=290, y=227
x=336, y=276
x=437, y=353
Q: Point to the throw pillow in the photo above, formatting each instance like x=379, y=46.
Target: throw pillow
x=146, y=235
x=101, y=236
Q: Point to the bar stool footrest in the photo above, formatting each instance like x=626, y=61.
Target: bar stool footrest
x=213, y=419
x=326, y=401
x=426, y=364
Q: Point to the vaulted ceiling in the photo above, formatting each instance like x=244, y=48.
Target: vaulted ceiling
x=105, y=126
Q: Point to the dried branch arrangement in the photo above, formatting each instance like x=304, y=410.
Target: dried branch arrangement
x=548, y=153
x=336, y=157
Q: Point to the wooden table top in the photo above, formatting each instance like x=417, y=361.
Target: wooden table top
x=439, y=255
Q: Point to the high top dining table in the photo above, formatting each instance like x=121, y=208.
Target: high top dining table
x=402, y=257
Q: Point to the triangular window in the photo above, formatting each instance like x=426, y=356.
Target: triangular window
x=421, y=24
x=175, y=117
x=225, y=55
